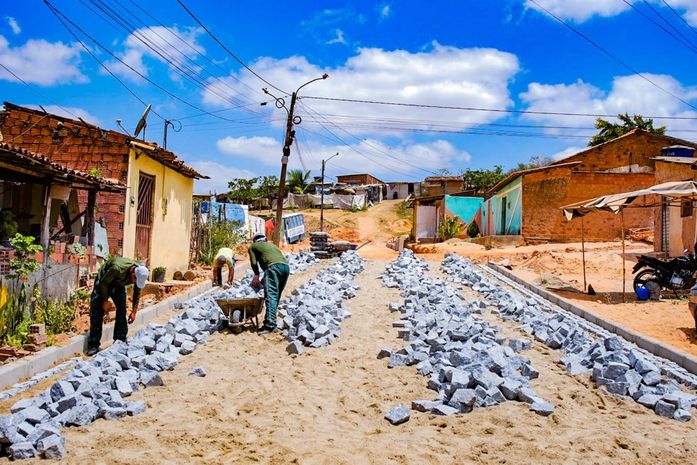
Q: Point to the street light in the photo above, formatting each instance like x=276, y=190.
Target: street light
x=290, y=135
x=321, y=202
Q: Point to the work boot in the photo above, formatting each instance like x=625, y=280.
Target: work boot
x=266, y=330
x=92, y=351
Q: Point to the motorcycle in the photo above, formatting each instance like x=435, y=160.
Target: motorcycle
x=676, y=274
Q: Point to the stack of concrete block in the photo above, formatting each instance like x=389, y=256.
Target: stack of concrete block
x=468, y=363
x=616, y=365
x=313, y=313
x=36, y=340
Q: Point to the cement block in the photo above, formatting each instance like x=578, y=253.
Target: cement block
x=150, y=378
x=198, y=371
x=664, y=409
x=398, y=415
x=294, y=348
x=52, y=447
x=21, y=450
x=136, y=407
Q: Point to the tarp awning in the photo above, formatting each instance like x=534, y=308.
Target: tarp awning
x=616, y=202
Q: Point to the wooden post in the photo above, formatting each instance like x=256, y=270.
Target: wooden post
x=624, y=267
x=90, y=220
x=583, y=256
x=45, y=235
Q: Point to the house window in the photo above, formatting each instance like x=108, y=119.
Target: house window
x=686, y=208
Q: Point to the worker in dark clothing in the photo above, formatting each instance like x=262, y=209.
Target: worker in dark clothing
x=115, y=274
x=276, y=271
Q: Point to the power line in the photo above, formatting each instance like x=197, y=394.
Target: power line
x=180, y=67
x=60, y=15
x=227, y=49
x=609, y=54
x=493, y=110
x=684, y=42
x=679, y=16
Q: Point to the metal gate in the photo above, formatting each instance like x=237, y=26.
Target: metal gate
x=146, y=187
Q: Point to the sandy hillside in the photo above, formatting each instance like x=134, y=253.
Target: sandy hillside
x=258, y=405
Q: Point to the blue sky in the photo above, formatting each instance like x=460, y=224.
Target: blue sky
x=496, y=54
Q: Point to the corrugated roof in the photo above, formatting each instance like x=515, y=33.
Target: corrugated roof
x=39, y=164
x=443, y=178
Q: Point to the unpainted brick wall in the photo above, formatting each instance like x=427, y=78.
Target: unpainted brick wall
x=546, y=191
x=78, y=147
x=635, y=149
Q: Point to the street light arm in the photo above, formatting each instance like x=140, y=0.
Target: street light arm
x=324, y=76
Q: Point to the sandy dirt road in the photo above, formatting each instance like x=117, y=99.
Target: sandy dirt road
x=258, y=405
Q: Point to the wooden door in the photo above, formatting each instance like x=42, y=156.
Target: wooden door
x=146, y=187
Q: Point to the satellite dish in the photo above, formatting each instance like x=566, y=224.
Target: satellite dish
x=142, y=123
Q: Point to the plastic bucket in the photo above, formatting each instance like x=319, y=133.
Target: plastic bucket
x=642, y=293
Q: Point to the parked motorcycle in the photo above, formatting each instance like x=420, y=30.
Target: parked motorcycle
x=676, y=274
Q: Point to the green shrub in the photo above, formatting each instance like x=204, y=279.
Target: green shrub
x=449, y=228
x=57, y=316
x=473, y=230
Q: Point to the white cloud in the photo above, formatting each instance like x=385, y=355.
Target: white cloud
x=175, y=44
x=14, y=25
x=41, y=62
x=385, y=11
x=338, y=39
x=220, y=175
x=438, y=75
x=566, y=152
x=372, y=156
x=582, y=10
x=68, y=112
x=579, y=10
x=628, y=94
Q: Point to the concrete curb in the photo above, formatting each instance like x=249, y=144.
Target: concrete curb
x=27, y=367
x=687, y=361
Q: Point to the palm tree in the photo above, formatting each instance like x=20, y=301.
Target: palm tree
x=298, y=181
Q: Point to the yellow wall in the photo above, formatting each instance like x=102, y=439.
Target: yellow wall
x=171, y=232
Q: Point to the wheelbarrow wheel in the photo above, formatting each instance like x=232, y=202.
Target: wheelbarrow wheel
x=236, y=319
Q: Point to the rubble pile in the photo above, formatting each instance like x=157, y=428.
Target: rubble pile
x=622, y=368
x=312, y=314
x=468, y=363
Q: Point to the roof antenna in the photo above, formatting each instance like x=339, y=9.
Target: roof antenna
x=118, y=122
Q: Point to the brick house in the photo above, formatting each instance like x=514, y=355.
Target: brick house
x=156, y=207
x=442, y=185
x=358, y=179
x=675, y=226
x=528, y=202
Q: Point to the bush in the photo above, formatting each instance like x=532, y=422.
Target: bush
x=473, y=230
x=57, y=316
x=222, y=234
x=449, y=228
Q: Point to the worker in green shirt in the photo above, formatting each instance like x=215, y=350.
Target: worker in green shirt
x=224, y=257
x=276, y=271
x=114, y=275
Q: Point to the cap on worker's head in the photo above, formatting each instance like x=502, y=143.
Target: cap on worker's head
x=259, y=238
x=141, y=276
x=222, y=260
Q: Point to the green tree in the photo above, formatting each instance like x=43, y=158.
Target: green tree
x=298, y=181
x=608, y=131
x=242, y=190
x=267, y=188
x=483, y=180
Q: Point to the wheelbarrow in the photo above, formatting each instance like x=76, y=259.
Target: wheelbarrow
x=240, y=311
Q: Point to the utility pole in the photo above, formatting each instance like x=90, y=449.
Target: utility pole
x=290, y=135
x=321, y=202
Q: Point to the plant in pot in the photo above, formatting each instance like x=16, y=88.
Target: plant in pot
x=158, y=274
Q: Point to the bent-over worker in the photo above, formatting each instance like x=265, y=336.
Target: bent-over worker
x=276, y=271
x=115, y=274
x=225, y=256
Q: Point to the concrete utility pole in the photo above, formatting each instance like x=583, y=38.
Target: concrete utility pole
x=290, y=135
x=321, y=202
